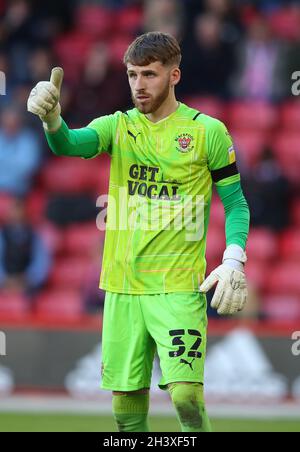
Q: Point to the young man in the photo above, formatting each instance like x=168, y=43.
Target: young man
x=164, y=157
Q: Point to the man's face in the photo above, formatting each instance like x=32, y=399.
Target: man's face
x=151, y=85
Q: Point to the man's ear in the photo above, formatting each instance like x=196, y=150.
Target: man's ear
x=175, y=76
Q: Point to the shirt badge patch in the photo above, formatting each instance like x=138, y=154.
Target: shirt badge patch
x=184, y=141
x=231, y=152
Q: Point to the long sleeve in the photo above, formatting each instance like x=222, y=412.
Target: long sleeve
x=236, y=213
x=221, y=159
x=82, y=143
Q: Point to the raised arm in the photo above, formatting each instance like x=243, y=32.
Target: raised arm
x=43, y=101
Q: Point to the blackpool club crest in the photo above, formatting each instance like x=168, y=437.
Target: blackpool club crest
x=184, y=142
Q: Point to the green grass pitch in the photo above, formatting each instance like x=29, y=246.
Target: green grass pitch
x=39, y=422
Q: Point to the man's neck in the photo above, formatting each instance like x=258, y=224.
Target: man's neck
x=165, y=110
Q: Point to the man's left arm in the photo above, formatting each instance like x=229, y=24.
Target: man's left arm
x=237, y=214
x=231, y=292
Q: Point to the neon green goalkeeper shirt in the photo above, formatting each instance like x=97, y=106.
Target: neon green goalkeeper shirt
x=159, y=197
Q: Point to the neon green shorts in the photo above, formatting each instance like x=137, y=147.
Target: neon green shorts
x=135, y=326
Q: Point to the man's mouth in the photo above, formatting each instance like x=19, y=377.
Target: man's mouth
x=143, y=97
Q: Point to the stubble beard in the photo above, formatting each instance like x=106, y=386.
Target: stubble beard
x=154, y=103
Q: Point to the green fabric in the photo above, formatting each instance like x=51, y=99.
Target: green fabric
x=236, y=212
x=159, y=195
x=218, y=142
x=74, y=143
x=131, y=412
x=136, y=326
x=188, y=400
x=158, y=171
x=228, y=180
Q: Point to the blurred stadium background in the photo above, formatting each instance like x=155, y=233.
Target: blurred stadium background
x=239, y=58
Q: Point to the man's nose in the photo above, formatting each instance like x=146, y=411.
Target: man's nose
x=139, y=84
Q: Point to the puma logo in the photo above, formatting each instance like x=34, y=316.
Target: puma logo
x=183, y=361
x=133, y=136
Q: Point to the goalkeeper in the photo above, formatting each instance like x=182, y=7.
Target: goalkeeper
x=165, y=157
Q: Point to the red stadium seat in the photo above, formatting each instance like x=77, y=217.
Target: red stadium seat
x=209, y=105
x=35, y=206
x=95, y=21
x=282, y=308
x=286, y=147
x=283, y=278
x=248, y=13
x=262, y=244
x=52, y=236
x=69, y=272
x=99, y=170
x=130, y=20
x=295, y=213
x=285, y=22
x=251, y=115
x=59, y=305
x=217, y=215
x=290, y=245
x=215, y=243
x=13, y=305
x=256, y=272
x=83, y=239
x=290, y=116
x=249, y=145
x=212, y=264
x=117, y=47
x=5, y=206
x=65, y=175
x=71, y=50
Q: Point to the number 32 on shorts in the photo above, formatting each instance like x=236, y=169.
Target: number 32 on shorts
x=177, y=341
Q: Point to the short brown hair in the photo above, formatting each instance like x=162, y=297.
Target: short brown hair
x=151, y=47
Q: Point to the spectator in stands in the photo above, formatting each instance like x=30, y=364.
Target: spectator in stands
x=28, y=24
x=267, y=192
x=259, y=64
x=25, y=261
x=40, y=63
x=208, y=62
x=20, y=153
x=102, y=89
x=64, y=209
x=16, y=27
x=227, y=12
x=164, y=15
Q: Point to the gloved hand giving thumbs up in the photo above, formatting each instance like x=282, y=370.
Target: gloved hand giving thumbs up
x=43, y=100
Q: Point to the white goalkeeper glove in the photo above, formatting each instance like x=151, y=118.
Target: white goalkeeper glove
x=231, y=293
x=43, y=100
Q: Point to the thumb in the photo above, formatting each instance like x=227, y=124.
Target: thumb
x=57, y=75
x=209, y=282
